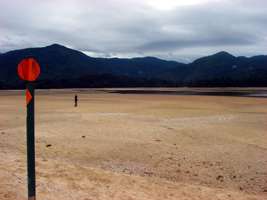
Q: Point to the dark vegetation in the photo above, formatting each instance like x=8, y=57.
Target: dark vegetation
x=62, y=67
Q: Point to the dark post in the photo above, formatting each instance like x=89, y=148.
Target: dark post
x=29, y=71
x=30, y=142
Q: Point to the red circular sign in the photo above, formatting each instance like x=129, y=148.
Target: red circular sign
x=28, y=69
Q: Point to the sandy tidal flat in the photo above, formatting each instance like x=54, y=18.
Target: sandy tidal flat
x=136, y=146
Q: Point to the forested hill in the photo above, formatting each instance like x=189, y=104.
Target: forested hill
x=62, y=67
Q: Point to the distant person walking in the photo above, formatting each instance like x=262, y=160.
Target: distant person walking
x=75, y=100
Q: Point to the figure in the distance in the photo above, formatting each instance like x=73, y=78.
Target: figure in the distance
x=75, y=100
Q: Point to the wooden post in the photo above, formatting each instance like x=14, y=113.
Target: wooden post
x=29, y=70
x=30, y=141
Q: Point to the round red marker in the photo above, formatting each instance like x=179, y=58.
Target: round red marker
x=29, y=69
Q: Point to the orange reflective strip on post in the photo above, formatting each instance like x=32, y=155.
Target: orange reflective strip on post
x=28, y=96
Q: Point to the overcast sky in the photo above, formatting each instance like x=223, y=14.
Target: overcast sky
x=171, y=29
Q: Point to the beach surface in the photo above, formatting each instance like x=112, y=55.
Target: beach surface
x=131, y=146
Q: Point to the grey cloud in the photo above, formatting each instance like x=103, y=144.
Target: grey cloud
x=219, y=41
x=126, y=28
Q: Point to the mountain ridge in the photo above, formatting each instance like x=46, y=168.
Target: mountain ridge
x=65, y=67
x=57, y=45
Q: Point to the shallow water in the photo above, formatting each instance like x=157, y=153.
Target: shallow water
x=262, y=94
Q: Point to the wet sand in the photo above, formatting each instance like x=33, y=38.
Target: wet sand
x=136, y=146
